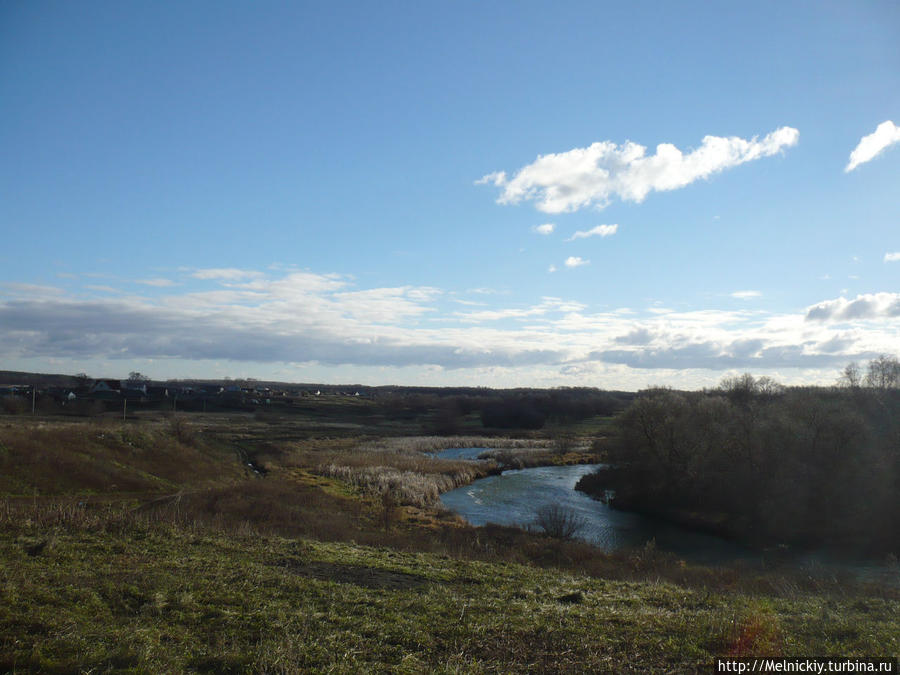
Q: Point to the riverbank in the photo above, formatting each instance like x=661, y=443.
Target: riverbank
x=409, y=472
x=737, y=529
x=595, y=486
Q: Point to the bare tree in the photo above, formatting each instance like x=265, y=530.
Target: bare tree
x=851, y=376
x=883, y=372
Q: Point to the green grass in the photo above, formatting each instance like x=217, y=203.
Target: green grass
x=167, y=599
x=149, y=548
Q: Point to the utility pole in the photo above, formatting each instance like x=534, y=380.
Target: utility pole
x=33, y=392
x=124, y=408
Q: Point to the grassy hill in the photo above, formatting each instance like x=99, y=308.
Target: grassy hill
x=152, y=547
x=167, y=599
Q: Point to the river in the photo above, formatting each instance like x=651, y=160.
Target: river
x=513, y=497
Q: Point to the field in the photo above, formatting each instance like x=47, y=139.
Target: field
x=210, y=544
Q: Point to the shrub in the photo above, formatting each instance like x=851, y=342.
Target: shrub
x=182, y=430
x=14, y=405
x=559, y=522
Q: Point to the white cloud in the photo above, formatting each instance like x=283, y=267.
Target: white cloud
x=546, y=228
x=497, y=178
x=30, y=290
x=225, y=274
x=568, y=181
x=296, y=285
x=863, y=307
x=599, y=231
x=159, y=283
x=575, y=261
x=388, y=333
x=386, y=305
x=548, y=305
x=869, y=147
x=746, y=295
x=892, y=257
x=551, y=269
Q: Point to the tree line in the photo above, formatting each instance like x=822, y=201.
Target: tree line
x=767, y=464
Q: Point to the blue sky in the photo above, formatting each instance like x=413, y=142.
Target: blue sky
x=354, y=192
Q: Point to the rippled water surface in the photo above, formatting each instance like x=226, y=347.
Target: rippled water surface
x=513, y=498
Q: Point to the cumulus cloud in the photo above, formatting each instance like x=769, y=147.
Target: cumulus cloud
x=599, y=231
x=746, y=295
x=300, y=317
x=892, y=257
x=568, y=181
x=711, y=355
x=386, y=305
x=638, y=336
x=546, y=228
x=326, y=319
x=869, y=147
x=863, y=307
x=575, y=261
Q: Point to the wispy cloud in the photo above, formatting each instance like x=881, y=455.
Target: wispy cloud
x=547, y=306
x=869, y=147
x=497, y=178
x=486, y=291
x=599, y=231
x=892, y=257
x=30, y=290
x=746, y=295
x=546, y=228
x=575, y=261
x=569, y=181
x=159, y=283
x=226, y=274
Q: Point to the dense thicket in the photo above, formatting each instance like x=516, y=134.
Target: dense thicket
x=816, y=466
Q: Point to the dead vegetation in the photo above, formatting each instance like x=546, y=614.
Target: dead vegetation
x=419, y=485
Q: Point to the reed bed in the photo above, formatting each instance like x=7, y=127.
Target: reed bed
x=399, y=468
x=409, y=479
x=436, y=443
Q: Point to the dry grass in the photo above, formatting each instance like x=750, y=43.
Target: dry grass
x=412, y=479
x=108, y=457
x=436, y=443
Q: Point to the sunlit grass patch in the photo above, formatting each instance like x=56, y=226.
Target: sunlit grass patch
x=163, y=599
